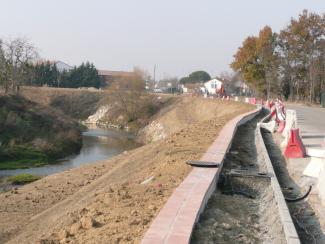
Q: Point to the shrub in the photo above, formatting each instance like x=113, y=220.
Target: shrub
x=22, y=179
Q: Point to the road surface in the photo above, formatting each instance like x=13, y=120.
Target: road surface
x=311, y=121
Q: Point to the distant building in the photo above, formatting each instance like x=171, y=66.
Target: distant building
x=213, y=86
x=61, y=66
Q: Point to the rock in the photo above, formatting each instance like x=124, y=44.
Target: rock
x=100, y=113
x=135, y=222
x=153, y=132
x=64, y=240
x=152, y=207
x=226, y=226
x=62, y=234
x=88, y=222
x=240, y=236
x=147, y=180
x=145, y=221
x=75, y=228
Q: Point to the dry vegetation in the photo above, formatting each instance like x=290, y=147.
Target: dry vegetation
x=31, y=134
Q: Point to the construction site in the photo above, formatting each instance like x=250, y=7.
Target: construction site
x=212, y=175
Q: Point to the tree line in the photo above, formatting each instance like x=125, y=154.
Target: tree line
x=84, y=75
x=289, y=64
x=195, y=77
x=19, y=66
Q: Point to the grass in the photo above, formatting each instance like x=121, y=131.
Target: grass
x=22, y=179
x=20, y=157
x=21, y=164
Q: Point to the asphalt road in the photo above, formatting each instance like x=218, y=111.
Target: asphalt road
x=311, y=122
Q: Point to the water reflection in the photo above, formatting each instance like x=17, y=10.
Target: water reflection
x=98, y=144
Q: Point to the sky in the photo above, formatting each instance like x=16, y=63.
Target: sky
x=179, y=36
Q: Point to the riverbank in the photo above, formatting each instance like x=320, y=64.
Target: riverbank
x=34, y=135
x=98, y=144
x=38, y=130
x=106, y=202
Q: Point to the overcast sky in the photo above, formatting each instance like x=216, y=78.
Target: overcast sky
x=180, y=36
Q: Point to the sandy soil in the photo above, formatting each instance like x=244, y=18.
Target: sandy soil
x=105, y=202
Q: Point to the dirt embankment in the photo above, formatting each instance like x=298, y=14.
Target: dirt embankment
x=123, y=109
x=106, y=202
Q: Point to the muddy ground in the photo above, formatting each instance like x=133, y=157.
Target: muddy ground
x=105, y=202
x=302, y=213
x=242, y=209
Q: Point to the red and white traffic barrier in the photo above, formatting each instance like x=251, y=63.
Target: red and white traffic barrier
x=295, y=148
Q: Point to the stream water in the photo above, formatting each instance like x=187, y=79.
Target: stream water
x=98, y=144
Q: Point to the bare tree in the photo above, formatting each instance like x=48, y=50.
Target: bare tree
x=16, y=57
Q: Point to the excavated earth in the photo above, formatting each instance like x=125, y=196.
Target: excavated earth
x=242, y=209
x=105, y=202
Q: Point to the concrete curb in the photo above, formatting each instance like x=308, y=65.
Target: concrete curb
x=176, y=220
x=286, y=220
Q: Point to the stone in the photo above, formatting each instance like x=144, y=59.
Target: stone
x=135, y=222
x=226, y=226
x=62, y=234
x=87, y=222
x=75, y=227
x=152, y=207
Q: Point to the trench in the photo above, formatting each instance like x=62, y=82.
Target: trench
x=242, y=209
x=304, y=218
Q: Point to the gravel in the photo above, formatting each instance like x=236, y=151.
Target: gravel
x=242, y=209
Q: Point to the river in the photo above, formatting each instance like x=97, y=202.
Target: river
x=98, y=144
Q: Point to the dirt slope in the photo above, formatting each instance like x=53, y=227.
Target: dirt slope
x=105, y=202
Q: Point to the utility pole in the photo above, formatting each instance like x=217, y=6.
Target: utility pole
x=154, y=74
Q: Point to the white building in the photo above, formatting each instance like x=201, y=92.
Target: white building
x=212, y=86
x=61, y=66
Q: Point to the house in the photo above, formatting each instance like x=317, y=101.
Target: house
x=213, y=86
x=61, y=66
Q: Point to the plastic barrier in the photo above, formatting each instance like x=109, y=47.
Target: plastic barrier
x=273, y=114
x=291, y=122
x=279, y=113
x=270, y=104
x=252, y=100
x=281, y=126
x=295, y=147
